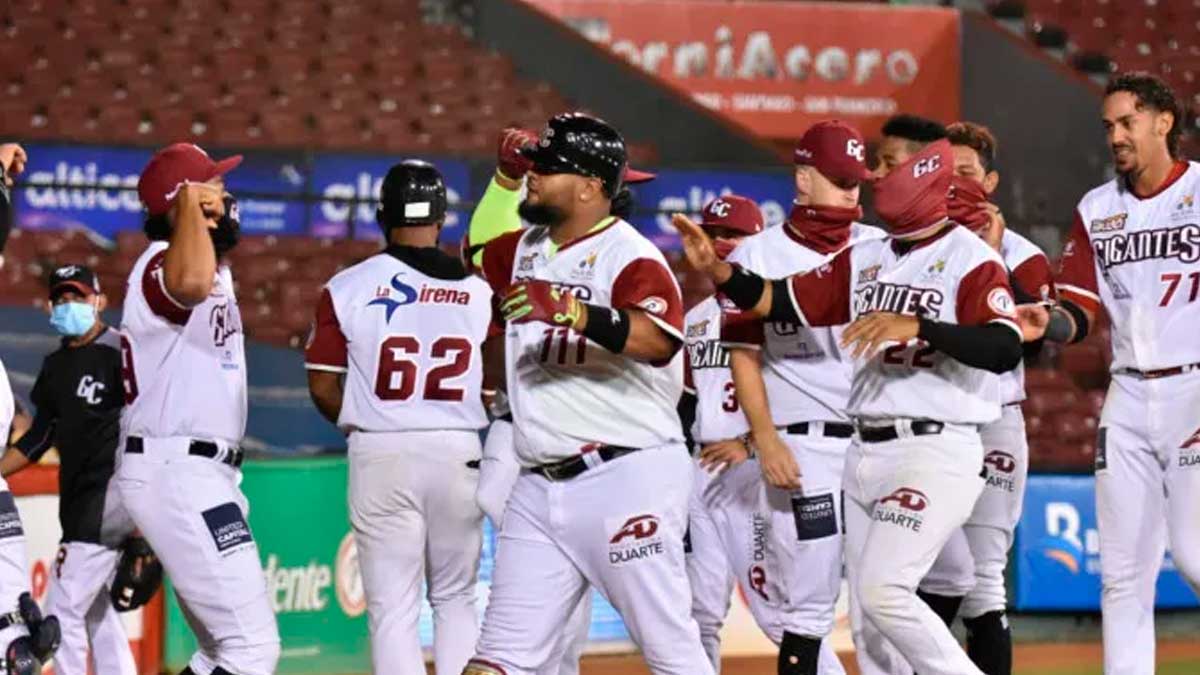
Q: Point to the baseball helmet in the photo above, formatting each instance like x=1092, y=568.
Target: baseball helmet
x=583, y=145
x=413, y=193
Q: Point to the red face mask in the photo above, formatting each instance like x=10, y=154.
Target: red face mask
x=724, y=247
x=965, y=205
x=913, y=196
x=825, y=228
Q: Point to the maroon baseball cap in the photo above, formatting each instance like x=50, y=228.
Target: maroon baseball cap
x=834, y=148
x=171, y=167
x=632, y=175
x=734, y=212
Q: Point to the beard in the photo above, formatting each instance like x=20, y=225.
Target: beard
x=541, y=214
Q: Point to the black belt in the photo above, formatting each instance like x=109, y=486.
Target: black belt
x=573, y=466
x=830, y=429
x=882, y=434
x=135, y=446
x=1161, y=372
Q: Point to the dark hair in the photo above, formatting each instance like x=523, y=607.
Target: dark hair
x=977, y=137
x=1152, y=92
x=622, y=203
x=913, y=128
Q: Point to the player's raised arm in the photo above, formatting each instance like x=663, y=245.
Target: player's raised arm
x=496, y=212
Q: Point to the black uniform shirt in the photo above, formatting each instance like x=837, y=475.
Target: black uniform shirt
x=78, y=395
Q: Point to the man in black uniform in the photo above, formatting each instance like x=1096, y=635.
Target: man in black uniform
x=78, y=395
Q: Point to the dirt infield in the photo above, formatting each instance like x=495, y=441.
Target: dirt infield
x=1175, y=658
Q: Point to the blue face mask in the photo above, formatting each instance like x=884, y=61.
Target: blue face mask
x=72, y=319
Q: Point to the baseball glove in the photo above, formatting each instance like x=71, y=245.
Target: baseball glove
x=139, y=574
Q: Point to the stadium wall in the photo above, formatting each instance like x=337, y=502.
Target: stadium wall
x=683, y=131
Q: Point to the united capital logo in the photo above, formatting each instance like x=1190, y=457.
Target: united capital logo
x=637, y=537
x=902, y=507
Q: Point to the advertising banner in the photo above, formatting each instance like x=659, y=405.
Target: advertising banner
x=360, y=176
x=687, y=191
x=299, y=518
x=777, y=67
x=88, y=195
x=1057, y=550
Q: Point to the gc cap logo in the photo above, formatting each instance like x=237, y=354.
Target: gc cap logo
x=719, y=208
x=907, y=498
x=856, y=149
x=638, y=527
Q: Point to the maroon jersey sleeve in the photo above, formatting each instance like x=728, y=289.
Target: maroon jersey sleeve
x=740, y=330
x=648, y=285
x=499, y=256
x=984, y=296
x=155, y=291
x=1035, y=278
x=821, y=296
x=326, y=349
x=1076, y=279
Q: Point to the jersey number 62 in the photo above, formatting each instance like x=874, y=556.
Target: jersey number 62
x=399, y=372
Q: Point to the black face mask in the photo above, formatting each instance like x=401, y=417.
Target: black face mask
x=229, y=228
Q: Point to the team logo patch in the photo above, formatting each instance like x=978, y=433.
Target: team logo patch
x=868, y=274
x=1190, y=451
x=407, y=295
x=999, y=467
x=697, y=329
x=756, y=579
x=1000, y=301
x=586, y=267
x=903, y=507
x=815, y=517
x=348, y=579
x=227, y=526
x=10, y=518
x=654, y=305
x=634, y=538
x=525, y=264
x=1109, y=224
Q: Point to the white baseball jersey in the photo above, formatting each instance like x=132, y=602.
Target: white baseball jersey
x=707, y=376
x=953, y=277
x=1030, y=269
x=1140, y=258
x=806, y=375
x=184, y=369
x=409, y=343
x=566, y=392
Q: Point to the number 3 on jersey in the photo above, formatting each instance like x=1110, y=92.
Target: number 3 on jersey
x=399, y=369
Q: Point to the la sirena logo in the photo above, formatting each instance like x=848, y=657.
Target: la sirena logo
x=638, y=527
x=1000, y=461
x=907, y=498
x=435, y=295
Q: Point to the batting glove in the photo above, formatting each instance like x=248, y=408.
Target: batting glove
x=540, y=301
x=509, y=161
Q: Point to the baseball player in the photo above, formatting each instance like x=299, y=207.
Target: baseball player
x=496, y=214
x=79, y=396
x=184, y=369
x=28, y=638
x=405, y=329
x=1135, y=250
x=930, y=310
x=792, y=383
x=988, y=534
x=594, y=324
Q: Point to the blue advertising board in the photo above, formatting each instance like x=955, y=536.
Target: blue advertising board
x=263, y=174
x=360, y=177
x=89, y=193
x=687, y=191
x=1056, y=555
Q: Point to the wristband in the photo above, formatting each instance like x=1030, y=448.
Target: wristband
x=607, y=327
x=743, y=288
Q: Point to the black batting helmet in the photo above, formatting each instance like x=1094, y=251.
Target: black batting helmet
x=413, y=193
x=583, y=145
